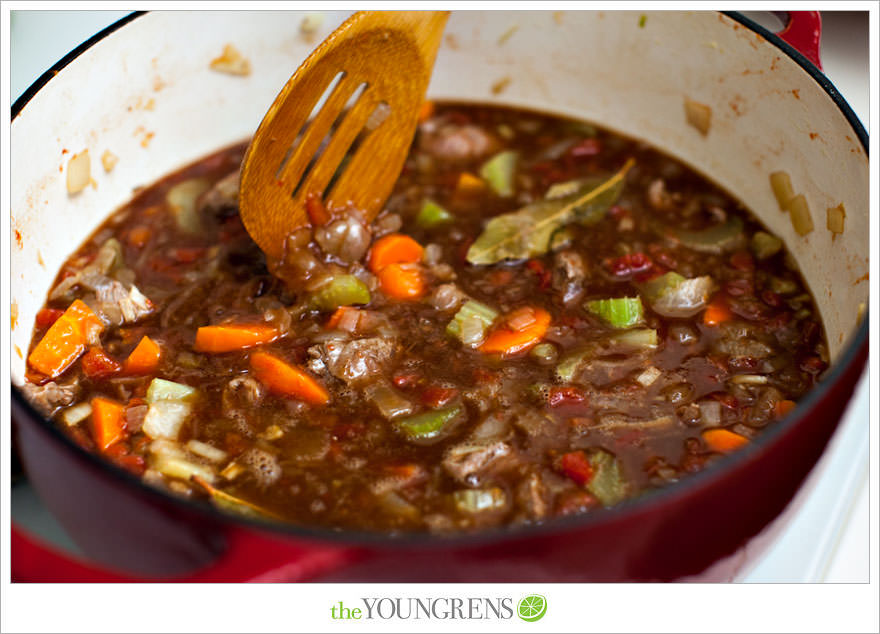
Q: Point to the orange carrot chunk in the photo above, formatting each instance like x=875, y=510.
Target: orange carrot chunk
x=402, y=281
x=107, y=422
x=395, y=248
x=144, y=359
x=723, y=440
x=286, y=379
x=230, y=337
x=469, y=184
x=717, y=313
x=65, y=340
x=519, y=331
x=782, y=408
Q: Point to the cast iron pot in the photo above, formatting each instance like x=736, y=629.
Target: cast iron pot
x=142, y=89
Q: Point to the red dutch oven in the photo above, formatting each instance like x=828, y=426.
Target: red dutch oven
x=133, y=90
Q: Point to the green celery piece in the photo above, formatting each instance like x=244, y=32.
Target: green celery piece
x=765, y=245
x=618, y=312
x=639, y=338
x=471, y=308
x=432, y=215
x=427, y=425
x=655, y=289
x=570, y=363
x=499, y=170
x=341, y=290
x=607, y=483
x=162, y=390
x=528, y=232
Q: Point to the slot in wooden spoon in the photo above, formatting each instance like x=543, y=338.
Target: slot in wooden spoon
x=375, y=70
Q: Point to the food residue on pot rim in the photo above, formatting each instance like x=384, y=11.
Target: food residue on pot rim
x=231, y=62
x=698, y=115
x=501, y=85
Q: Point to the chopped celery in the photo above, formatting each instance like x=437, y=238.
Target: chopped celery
x=162, y=390
x=477, y=500
x=499, y=170
x=783, y=286
x=433, y=215
x=164, y=418
x=471, y=322
x=427, y=425
x=607, y=482
x=181, y=201
x=341, y=290
x=619, y=312
x=638, y=338
x=544, y=353
x=570, y=363
x=765, y=245
x=672, y=295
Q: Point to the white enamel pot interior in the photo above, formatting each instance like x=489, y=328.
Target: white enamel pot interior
x=145, y=92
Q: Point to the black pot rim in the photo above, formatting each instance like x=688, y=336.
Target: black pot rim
x=851, y=354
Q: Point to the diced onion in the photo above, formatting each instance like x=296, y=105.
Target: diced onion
x=749, y=379
x=836, y=218
x=205, y=450
x=232, y=471
x=699, y=115
x=478, y=500
x=521, y=319
x=79, y=172
x=76, y=414
x=272, y=432
x=800, y=215
x=782, y=189
x=710, y=413
x=109, y=160
x=165, y=418
x=647, y=377
x=182, y=469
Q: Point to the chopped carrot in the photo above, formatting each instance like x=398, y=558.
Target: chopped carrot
x=469, y=184
x=724, y=440
x=230, y=337
x=426, y=111
x=394, y=248
x=144, y=359
x=286, y=379
x=717, y=312
x=782, y=408
x=97, y=364
x=139, y=236
x=316, y=210
x=509, y=339
x=337, y=316
x=65, y=340
x=402, y=281
x=107, y=422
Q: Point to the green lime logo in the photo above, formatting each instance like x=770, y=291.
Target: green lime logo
x=532, y=608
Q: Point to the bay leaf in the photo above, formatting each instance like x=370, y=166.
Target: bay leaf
x=528, y=232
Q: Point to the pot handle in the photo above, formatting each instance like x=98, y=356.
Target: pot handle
x=803, y=31
x=249, y=556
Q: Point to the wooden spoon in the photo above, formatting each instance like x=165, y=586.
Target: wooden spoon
x=384, y=61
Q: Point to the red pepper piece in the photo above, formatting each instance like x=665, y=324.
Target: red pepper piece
x=576, y=466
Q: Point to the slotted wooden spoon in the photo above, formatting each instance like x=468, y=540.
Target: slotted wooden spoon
x=384, y=61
